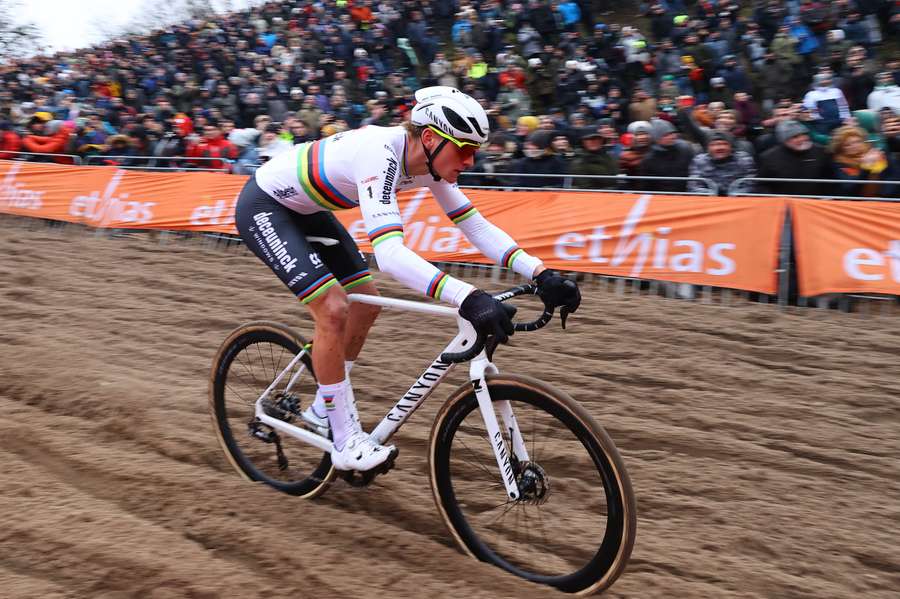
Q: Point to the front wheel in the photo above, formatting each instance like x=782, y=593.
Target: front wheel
x=247, y=363
x=573, y=527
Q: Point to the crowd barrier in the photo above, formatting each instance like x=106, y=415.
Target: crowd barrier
x=727, y=242
x=744, y=185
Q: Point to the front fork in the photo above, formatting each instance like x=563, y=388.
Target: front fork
x=507, y=463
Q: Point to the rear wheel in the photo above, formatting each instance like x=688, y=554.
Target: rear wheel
x=247, y=363
x=574, y=526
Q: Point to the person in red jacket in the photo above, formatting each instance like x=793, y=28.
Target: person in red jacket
x=10, y=142
x=212, y=145
x=42, y=139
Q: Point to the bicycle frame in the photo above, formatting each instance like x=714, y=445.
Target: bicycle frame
x=421, y=390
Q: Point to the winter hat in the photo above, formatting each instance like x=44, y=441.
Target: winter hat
x=640, y=127
x=821, y=79
x=786, y=130
x=661, y=128
x=717, y=135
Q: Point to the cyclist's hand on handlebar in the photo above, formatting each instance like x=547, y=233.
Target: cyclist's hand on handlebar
x=558, y=292
x=488, y=315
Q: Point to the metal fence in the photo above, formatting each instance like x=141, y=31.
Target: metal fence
x=742, y=186
x=623, y=183
x=152, y=161
x=24, y=156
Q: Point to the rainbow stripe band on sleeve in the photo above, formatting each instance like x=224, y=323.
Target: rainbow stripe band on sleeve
x=316, y=289
x=385, y=232
x=510, y=255
x=311, y=173
x=462, y=213
x=437, y=285
x=359, y=278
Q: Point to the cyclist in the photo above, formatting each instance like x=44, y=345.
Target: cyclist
x=287, y=205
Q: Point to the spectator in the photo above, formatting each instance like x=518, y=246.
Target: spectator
x=540, y=159
x=47, y=137
x=795, y=157
x=721, y=164
x=119, y=151
x=643, y=107
x=497, y=158
x=638, y=146
x=10, y=142
x=594, y=160
x=854, y=159
x=212, y=146
x=669, y=157
x=270, y=144
x=827, y=103
x=886, y=94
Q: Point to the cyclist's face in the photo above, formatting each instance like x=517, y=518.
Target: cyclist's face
x=452, y=160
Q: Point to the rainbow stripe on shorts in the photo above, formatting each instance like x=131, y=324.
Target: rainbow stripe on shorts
x=317, y=288
x=363, y=276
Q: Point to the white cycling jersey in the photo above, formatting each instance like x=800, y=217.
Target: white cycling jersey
x=366, y=167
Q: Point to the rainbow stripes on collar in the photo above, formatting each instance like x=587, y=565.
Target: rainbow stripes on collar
x=462, y=213
x=311, y=173
x=436, y=286
x=510, y=255
x=316, y=290
x=385, y=232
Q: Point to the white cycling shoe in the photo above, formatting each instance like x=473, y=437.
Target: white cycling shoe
x=361, y=453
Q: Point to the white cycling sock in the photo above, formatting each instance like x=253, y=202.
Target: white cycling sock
x=337, y=408
x=318, y=404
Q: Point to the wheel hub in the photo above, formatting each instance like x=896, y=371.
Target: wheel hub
x=534, y=485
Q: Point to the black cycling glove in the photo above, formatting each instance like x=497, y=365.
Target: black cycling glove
x=488, y=315
x=558, y=292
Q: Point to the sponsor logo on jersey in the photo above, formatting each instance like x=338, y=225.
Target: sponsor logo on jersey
x=368, y=179
x=285, y=193
x=276, y=245
x=389, y=175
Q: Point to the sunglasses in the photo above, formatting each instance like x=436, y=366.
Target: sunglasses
x=465, y=149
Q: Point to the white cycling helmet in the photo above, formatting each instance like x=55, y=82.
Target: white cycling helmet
x=453, y=113
x=455, y=116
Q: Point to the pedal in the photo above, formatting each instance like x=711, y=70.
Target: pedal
x=355, y=478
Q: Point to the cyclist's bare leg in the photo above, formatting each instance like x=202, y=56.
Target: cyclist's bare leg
x=359, y=321
x=330, y=312
x=353, y=449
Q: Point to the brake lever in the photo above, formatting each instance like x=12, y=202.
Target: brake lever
x=563, y=314
x=490, y=346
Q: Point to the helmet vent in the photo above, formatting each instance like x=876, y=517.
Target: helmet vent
x=476, y=126
x=456, y=121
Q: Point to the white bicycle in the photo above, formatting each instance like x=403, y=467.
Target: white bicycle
x=540, y=492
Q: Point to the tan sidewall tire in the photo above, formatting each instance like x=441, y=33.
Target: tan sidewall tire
x=583, y=417
x=258, y=325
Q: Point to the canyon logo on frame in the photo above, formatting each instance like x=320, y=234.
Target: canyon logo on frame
x=846, y=247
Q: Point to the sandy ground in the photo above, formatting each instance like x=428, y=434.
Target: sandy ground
x=763, y=447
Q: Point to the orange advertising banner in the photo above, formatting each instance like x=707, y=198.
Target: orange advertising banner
x=724, y=242
x=844, y=247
